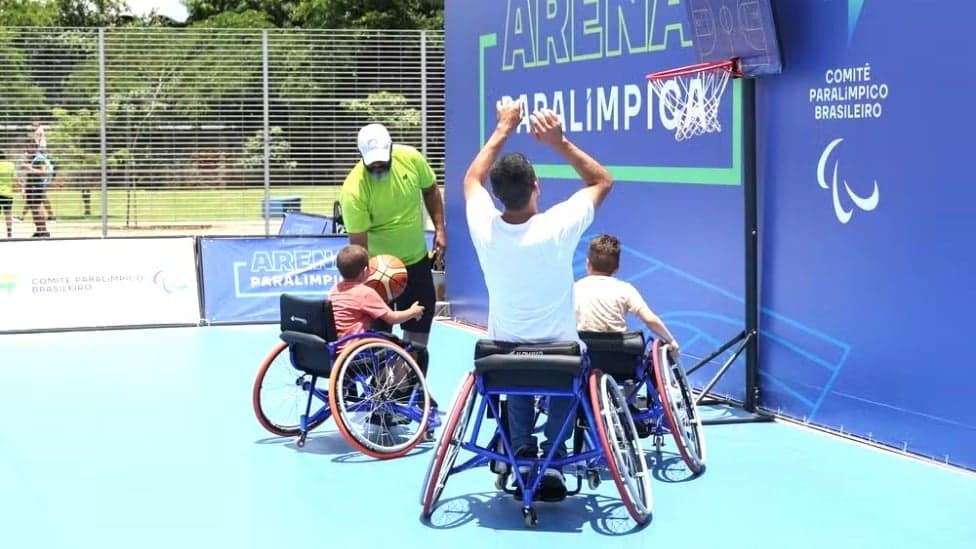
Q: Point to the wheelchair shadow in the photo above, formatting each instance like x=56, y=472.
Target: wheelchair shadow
x=500, y=511
x=668, y=467
x=333, y=444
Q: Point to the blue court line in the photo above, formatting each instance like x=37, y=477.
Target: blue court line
x=909, y=412
x=712, y=340
x=805, y=354
x=845, y=347
x=733, y=296
x=828, y=387
x=643, y=273
x=787, y=389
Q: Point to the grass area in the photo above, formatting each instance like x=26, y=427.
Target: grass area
x=183, y=205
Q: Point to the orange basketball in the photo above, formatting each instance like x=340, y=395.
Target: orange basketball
x=387, y=275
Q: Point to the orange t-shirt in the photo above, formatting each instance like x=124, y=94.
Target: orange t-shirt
x=354, y=306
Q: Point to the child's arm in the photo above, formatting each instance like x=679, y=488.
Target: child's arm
x=657, y=326
x=397, y=317
x=639, y=307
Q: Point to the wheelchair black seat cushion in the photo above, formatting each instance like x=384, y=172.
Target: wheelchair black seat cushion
x=534, y=366
x=616, y=353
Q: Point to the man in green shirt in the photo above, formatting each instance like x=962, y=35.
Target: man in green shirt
x=8, y=172
x=381, y=210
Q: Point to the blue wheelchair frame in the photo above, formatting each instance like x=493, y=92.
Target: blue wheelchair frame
x=580, y=397
x=315, y=351
x=660, y=411
x=365, y=403
x=590, y=451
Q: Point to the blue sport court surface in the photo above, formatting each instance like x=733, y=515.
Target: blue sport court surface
x=146, y=438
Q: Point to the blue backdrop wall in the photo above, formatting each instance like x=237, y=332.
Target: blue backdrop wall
x=866, y=211
x=868, y=262
x=676, y=206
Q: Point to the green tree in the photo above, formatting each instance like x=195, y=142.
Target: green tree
x=364, y=14
x=19, y=94
x=387, y=108
x=278, y=12
x=89, y=13
x=28, y=13
x=247, y=19
x=279, y=150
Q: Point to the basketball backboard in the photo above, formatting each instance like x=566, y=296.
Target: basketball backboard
x=742, y=29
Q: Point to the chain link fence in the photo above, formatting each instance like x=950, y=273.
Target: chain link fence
x=195, y=131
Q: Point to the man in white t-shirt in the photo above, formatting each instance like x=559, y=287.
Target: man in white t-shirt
x=603, y=301
x=527, y=258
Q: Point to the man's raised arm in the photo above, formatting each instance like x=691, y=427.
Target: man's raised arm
x=509, y=116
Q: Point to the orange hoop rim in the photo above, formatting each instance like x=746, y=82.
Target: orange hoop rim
x=730, y=65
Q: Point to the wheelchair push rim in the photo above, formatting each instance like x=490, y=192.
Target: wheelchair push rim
x=276, y=376
x=679, y=408
x=448, y=445
x=376, y=383
x=621, y=446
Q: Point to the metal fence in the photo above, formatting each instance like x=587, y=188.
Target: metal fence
x=190, y=130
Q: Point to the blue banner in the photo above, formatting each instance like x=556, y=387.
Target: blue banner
x=244, y=277
x=868, y=258
x=676, y=206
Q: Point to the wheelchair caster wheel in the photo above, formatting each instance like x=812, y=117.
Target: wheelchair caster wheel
x=498, y=468
x=658, y=443
x=301, y=441
x=501, y=480
x=530, y=517
x=593, y=479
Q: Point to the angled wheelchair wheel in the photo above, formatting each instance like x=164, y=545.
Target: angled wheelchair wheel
x=379, y=397
x=679, y=408
x=621, y=445
x=280, y=393
x=449, y=444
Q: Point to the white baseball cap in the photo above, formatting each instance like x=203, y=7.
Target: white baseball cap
x=375, y=144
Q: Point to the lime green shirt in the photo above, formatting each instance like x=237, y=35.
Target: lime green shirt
x=389, y=210
x=7, y=173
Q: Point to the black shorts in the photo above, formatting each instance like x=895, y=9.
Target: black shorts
x=34, y=194
x=6, y=203
x=420, y=288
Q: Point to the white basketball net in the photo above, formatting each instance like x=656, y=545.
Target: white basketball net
x=693, y=100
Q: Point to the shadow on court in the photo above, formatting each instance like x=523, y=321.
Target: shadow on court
x=498, y=511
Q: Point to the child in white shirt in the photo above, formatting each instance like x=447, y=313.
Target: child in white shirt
x=603, y=301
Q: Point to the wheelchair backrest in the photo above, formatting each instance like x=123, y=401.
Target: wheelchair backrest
x=486, y=347
x=307, y=316
x=504, y=364
x=619, y=354
x=307, y=325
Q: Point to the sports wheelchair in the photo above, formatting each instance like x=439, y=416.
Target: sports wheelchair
x=377, y=391
x=658, y=392
x=600, y=425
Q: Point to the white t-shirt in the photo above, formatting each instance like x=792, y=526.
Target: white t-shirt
x=39, y=138
x=528, y=267
x=602, y=303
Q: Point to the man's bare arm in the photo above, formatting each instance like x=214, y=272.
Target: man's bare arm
x=435, y=206
x=509, y=115
x=358, y=239
x=547, y=128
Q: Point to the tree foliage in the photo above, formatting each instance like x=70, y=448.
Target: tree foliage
x=369, y=14
x=52, y=71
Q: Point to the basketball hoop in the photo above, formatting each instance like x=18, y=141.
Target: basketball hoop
x=693, y=95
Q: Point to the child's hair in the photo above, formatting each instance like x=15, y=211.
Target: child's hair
x=351, y=261
x=604, y=254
